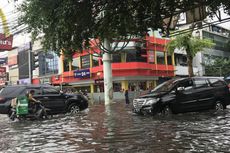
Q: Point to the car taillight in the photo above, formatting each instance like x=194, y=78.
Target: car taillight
x=2, y=99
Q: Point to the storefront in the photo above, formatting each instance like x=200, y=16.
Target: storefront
x=135, y=68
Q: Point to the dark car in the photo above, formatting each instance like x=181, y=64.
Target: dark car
x=55, y=101
x=185, y=95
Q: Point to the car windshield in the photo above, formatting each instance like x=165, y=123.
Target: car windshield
x=166, y=86
x=12, y=91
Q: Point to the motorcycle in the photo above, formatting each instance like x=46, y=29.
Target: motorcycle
x=22, y=110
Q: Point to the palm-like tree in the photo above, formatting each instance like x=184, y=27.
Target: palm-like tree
x=191, y=45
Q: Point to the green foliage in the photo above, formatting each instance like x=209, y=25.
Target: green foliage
x=217, y=67
x=191, y=45
x=70, y=24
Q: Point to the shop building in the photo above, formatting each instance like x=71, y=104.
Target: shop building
x=140, y=66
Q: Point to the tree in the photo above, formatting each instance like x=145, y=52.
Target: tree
x=191, y=45
x=217, y=66
x=70, y=25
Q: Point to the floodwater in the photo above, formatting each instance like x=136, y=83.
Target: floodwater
x=118, y=130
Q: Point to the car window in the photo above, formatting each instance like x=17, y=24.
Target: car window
x=37, y=91
x=166, y=86
x=186, y=85
x=216, y=82
x=50, y=91
x=12, y=91
x=200, y=82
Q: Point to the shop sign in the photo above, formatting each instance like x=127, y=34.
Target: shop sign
x=13, y=60
x=46, y=80
x=82, y=73
x=6, y=42
x=3, y=60
x=3, y=69
x=99, y=81
x=151, y=57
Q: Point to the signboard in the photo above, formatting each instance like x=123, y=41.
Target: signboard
x=3, y=60
x=99, y=81
x=85, y=61
x=13, y=60
x=3, y=76
x=6, y=42
x=151, y=57
x=82, y=73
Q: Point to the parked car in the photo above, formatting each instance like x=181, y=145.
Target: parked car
x=52, y=99
x=185, y=95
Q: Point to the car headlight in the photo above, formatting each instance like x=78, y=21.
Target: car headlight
x=151, y=101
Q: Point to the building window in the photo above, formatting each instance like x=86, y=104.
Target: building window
x=141, y=55
x=95, y=61
x=169, y=59
x=85, y=62
x=160, y=57
x=76, y=63
x=131, y=56
x=48, y=63
x=136, y=55
x=116, y=58
x=66, y=65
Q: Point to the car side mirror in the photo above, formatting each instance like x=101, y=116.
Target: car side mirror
x=180, y=89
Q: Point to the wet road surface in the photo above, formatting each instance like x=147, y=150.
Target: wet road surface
x=118, y=130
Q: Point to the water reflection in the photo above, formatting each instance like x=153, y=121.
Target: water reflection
x=118, y=130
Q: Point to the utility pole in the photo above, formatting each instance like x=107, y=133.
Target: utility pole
x=107, y=68
x=29, y=62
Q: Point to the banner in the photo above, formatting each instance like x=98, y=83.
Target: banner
x=6, y=42
x=82, y=73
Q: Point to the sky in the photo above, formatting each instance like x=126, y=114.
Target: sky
x=11, y=13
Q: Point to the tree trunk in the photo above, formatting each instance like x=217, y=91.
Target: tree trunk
x=190, y=67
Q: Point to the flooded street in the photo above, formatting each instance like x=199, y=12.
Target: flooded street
x=118, y=130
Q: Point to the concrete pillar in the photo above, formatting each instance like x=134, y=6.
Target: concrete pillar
x=91, y=88
x=107, y=69
x=70, y=65
x=148, y=84
x=123, y=57
x=155, y=83
x=124, y=85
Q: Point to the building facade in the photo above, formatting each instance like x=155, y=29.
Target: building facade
x=140, y=66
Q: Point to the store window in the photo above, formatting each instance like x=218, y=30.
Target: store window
x=117, y=87
x=76, y=64
x=160, y=57
x=85, y=62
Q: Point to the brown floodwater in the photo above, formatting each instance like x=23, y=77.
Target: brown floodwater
x=118, y=130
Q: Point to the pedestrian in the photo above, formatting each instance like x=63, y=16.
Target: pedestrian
x=126, y=97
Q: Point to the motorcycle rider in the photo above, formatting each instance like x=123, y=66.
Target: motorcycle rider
x=32, y=101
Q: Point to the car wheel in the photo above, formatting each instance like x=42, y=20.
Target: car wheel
x=166, y=111
x=219, y=106
x=73, y=109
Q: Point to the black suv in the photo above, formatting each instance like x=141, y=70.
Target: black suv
x=184, y=95
x=51, y=98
